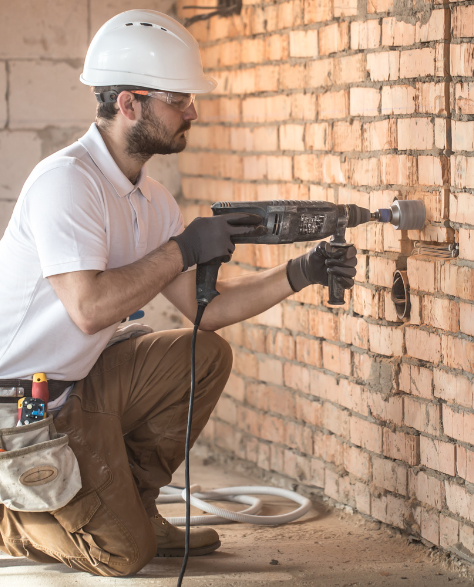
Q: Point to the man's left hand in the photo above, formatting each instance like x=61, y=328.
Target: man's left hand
x=316, y=264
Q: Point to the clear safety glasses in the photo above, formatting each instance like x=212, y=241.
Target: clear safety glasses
x=180, y=101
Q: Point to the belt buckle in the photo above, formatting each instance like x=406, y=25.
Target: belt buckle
x=12, y=392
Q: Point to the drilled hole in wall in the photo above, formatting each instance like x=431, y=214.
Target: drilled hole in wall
x=401, y=294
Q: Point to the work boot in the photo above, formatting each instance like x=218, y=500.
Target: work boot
x=171, y=539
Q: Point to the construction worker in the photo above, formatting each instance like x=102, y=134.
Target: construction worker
x=92, y=240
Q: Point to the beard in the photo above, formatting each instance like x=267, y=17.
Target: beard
x=151, y=137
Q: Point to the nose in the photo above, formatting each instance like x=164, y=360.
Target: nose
x=190, y=113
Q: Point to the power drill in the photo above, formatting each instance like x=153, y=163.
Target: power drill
x=290, y=221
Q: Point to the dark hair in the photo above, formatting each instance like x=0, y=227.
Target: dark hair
x=106, y=111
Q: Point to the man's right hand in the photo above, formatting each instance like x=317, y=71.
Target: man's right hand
x=208, y=238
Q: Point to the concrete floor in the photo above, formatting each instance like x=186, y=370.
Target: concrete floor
x=327, y=548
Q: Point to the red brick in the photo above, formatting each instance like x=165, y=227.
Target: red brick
x=308, y=410
x=270, y=370
x=354, y=331
x=365, y=35
x=366, y=301
x=374, y=6
x=416, y=380
x=463, y=21
x=429, y=525
x=276, y=47
x=350, y=69
x=459, y=501
x=336, y=358
x=401, y=446
x=366, y=434
x=333, y=38
x=383, y=66
x=458, y=353
x=297, y=377
x=324, y=324
x=449, y=531
x=345, y=8
x=271, y=428
x=386, y=409
x=304, y=43
x=347, y=136
x=431, y=98
x=441, y=313
x=299, y=437
x=437, y=27
x=398, y=100
x=292, y=77
x=417, y=63
x=398, y=169
x=303, y=106
x=280, y=344
x=317, y=137
x=423, y=416
x=397, y=33
x=462, y=135
x=356, y=461
x=426, y=489
x=462, y=171
x=334, y=105
x=457, y=281
x=381, y=271
x=458, y=424
x=364, y=102
x=317, y=11
x=462, y=97
x=336, y=420
x=466, y=241
x=251, y=50
x=437, y=455
x=467, y=318
x=462, y=59
x=291, y=137
x=308, y=351
x=423, y=274
x=380, y=135
x=271, y=317
x=415, y=134
x=289, y=14
x=461, y=207
x=433, y=170
x=389, y=475
x=386, y=340
x=423, y=345
x=320, y=73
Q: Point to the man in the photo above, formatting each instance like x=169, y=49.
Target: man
x=91, y=241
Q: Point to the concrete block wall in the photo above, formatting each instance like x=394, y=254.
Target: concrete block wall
x=44, y=106
x=358, y=102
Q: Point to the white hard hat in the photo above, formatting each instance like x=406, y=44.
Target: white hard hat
x=147, y=49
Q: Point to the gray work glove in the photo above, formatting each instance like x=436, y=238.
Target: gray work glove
x=209, y=238
x=314, y=266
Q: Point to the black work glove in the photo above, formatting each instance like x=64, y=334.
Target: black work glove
x=314, y=266
x=208, y=238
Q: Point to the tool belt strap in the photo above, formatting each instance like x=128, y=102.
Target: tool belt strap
x=55, y=388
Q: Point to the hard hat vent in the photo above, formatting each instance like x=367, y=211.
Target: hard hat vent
x=146, y=24
x=129, y=24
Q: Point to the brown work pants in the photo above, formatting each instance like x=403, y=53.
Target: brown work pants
x=126, y=423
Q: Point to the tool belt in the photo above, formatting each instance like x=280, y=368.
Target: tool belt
x=38, y=470
x=13, y=389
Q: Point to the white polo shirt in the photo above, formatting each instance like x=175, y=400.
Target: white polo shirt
x=77, y=211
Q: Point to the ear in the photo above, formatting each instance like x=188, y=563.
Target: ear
x=128, y=105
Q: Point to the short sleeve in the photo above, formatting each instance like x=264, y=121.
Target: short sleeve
x=65, y=213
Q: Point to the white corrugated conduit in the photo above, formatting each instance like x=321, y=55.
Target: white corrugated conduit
x=170, y=494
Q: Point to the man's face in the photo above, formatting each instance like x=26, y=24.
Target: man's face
x=160, y=130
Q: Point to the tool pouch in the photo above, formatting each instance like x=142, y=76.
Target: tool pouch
x=39, y=471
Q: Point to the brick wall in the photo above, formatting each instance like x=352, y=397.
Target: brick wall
x=352, y=102
x=44, y=106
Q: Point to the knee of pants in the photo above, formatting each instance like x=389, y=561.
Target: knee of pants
x=146, y=551
x=210, y=343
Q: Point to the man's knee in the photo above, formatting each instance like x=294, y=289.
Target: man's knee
x=211, y=343
x=126, y=565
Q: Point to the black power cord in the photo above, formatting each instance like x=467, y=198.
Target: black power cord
x=197, y=322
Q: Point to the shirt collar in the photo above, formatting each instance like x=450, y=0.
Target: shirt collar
x=94, y=144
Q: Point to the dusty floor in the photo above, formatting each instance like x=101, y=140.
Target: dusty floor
x=327, y=548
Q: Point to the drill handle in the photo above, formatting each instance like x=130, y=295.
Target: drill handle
x=206, y=279
x=336, y=290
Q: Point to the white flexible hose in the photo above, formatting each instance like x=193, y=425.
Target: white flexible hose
x=234, y=494
x=173, y=495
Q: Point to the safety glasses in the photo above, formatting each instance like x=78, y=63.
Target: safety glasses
x=176, y=99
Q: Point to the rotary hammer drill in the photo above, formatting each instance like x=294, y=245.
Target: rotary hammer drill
x=291, y=221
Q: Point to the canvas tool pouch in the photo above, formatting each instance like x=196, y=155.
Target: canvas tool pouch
x=39, y=471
